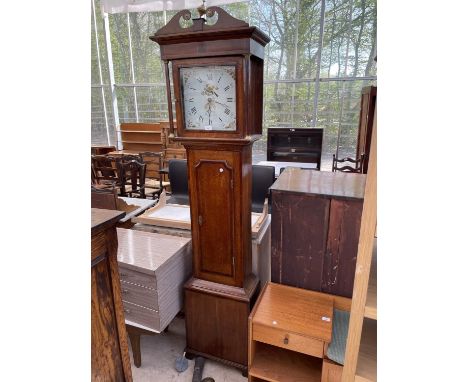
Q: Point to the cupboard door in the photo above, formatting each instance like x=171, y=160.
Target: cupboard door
x=343, y=236
x=298, y=239
x=212, y=187
x=106, y=363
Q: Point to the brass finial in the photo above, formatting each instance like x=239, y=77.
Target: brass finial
x=202, y=9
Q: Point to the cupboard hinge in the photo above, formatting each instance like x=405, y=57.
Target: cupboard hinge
x=232, y=184
x=200, y=220
x=233, y=261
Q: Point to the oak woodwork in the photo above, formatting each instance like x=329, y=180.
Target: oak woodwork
x=315, y=229
x=141, y=137
x=289, y=329
x=109, y=350
x=366, y=123
x=364, y=260
x=223, y=289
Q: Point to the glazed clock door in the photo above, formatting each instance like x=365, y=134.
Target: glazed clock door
x=209, y=97
x=213, y=217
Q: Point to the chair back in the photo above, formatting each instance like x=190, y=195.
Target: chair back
x=103, y=170
x=153, y=161
x=355, y=167
x=132, y=173
x=262, y=179
x=178, y=176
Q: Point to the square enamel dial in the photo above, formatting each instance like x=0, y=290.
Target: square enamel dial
x=209, y=97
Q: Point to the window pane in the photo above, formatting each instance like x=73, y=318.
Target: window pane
x=338, y=108
x=98, y=117
x=146, y=56
x=126, y=104
x=152, y=104
x=120, y=48
x=94, y=56
x=349, y=38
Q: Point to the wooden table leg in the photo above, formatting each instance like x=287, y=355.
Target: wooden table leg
x=135, y=343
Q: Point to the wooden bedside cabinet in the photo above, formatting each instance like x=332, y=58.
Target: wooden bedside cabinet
x=289, y=330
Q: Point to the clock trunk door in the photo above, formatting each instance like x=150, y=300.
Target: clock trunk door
x=213, y=216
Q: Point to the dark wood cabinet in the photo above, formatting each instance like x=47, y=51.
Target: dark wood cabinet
x=316, y=219
x=295, y=145
x=366, y=121
x=109, y=349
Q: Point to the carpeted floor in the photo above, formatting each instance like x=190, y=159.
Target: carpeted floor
x=158, y=355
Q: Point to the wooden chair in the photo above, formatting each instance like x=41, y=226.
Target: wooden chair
x=357, y=168
x=132, y=178
x=103, y=172
x=154, y=183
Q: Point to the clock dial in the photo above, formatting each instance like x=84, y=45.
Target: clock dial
x=209, y=97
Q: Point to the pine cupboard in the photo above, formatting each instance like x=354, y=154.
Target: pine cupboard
x=316, y=216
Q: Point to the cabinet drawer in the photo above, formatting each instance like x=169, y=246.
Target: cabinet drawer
x=291, y=341
x=134, y=277
x=293, y=157
x=141, y=315
x=139, y=295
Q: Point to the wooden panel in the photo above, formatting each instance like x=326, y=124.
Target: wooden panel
x=367, y=360
x=279, y=365
x=141, y=315
x=141, y=136
x=136, y=294
x=288, y=340
x=343, y=236
x=331, y=371
x=217, y=326
x=298, y=239
x=106, y=363
x=295, y=310
x=215, y=216
x=370, y=310
x=363, y=264
x=154, y=147
x=140, y=126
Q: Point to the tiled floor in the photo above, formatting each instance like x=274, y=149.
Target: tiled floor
x=158, y=355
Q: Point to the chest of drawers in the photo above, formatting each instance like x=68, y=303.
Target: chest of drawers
x=295, y=145
x=153, y=268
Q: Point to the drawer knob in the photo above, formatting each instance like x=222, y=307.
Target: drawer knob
x=124, y=274
x=127, y=310
x=124, y=290
x=286, y=340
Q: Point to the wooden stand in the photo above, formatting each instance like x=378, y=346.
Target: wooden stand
x=216, y=317
x=289, y=331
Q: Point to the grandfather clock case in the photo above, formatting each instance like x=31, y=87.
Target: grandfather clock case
x=217, y=83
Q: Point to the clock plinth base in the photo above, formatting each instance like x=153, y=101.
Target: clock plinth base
x=216, y=320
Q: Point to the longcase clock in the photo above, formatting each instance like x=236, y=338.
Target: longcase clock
x=217, y=83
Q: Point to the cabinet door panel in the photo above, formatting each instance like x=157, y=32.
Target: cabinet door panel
x=298, y=239
x=214, y=186
x=105, y=364
x=343, y=237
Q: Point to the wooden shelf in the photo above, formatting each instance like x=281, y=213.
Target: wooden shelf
x=146, y=143
x=370, y=310
x=275, y=364
x=367, y=360
x=139, y=131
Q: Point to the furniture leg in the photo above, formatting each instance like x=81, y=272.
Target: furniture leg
x=135, y=343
